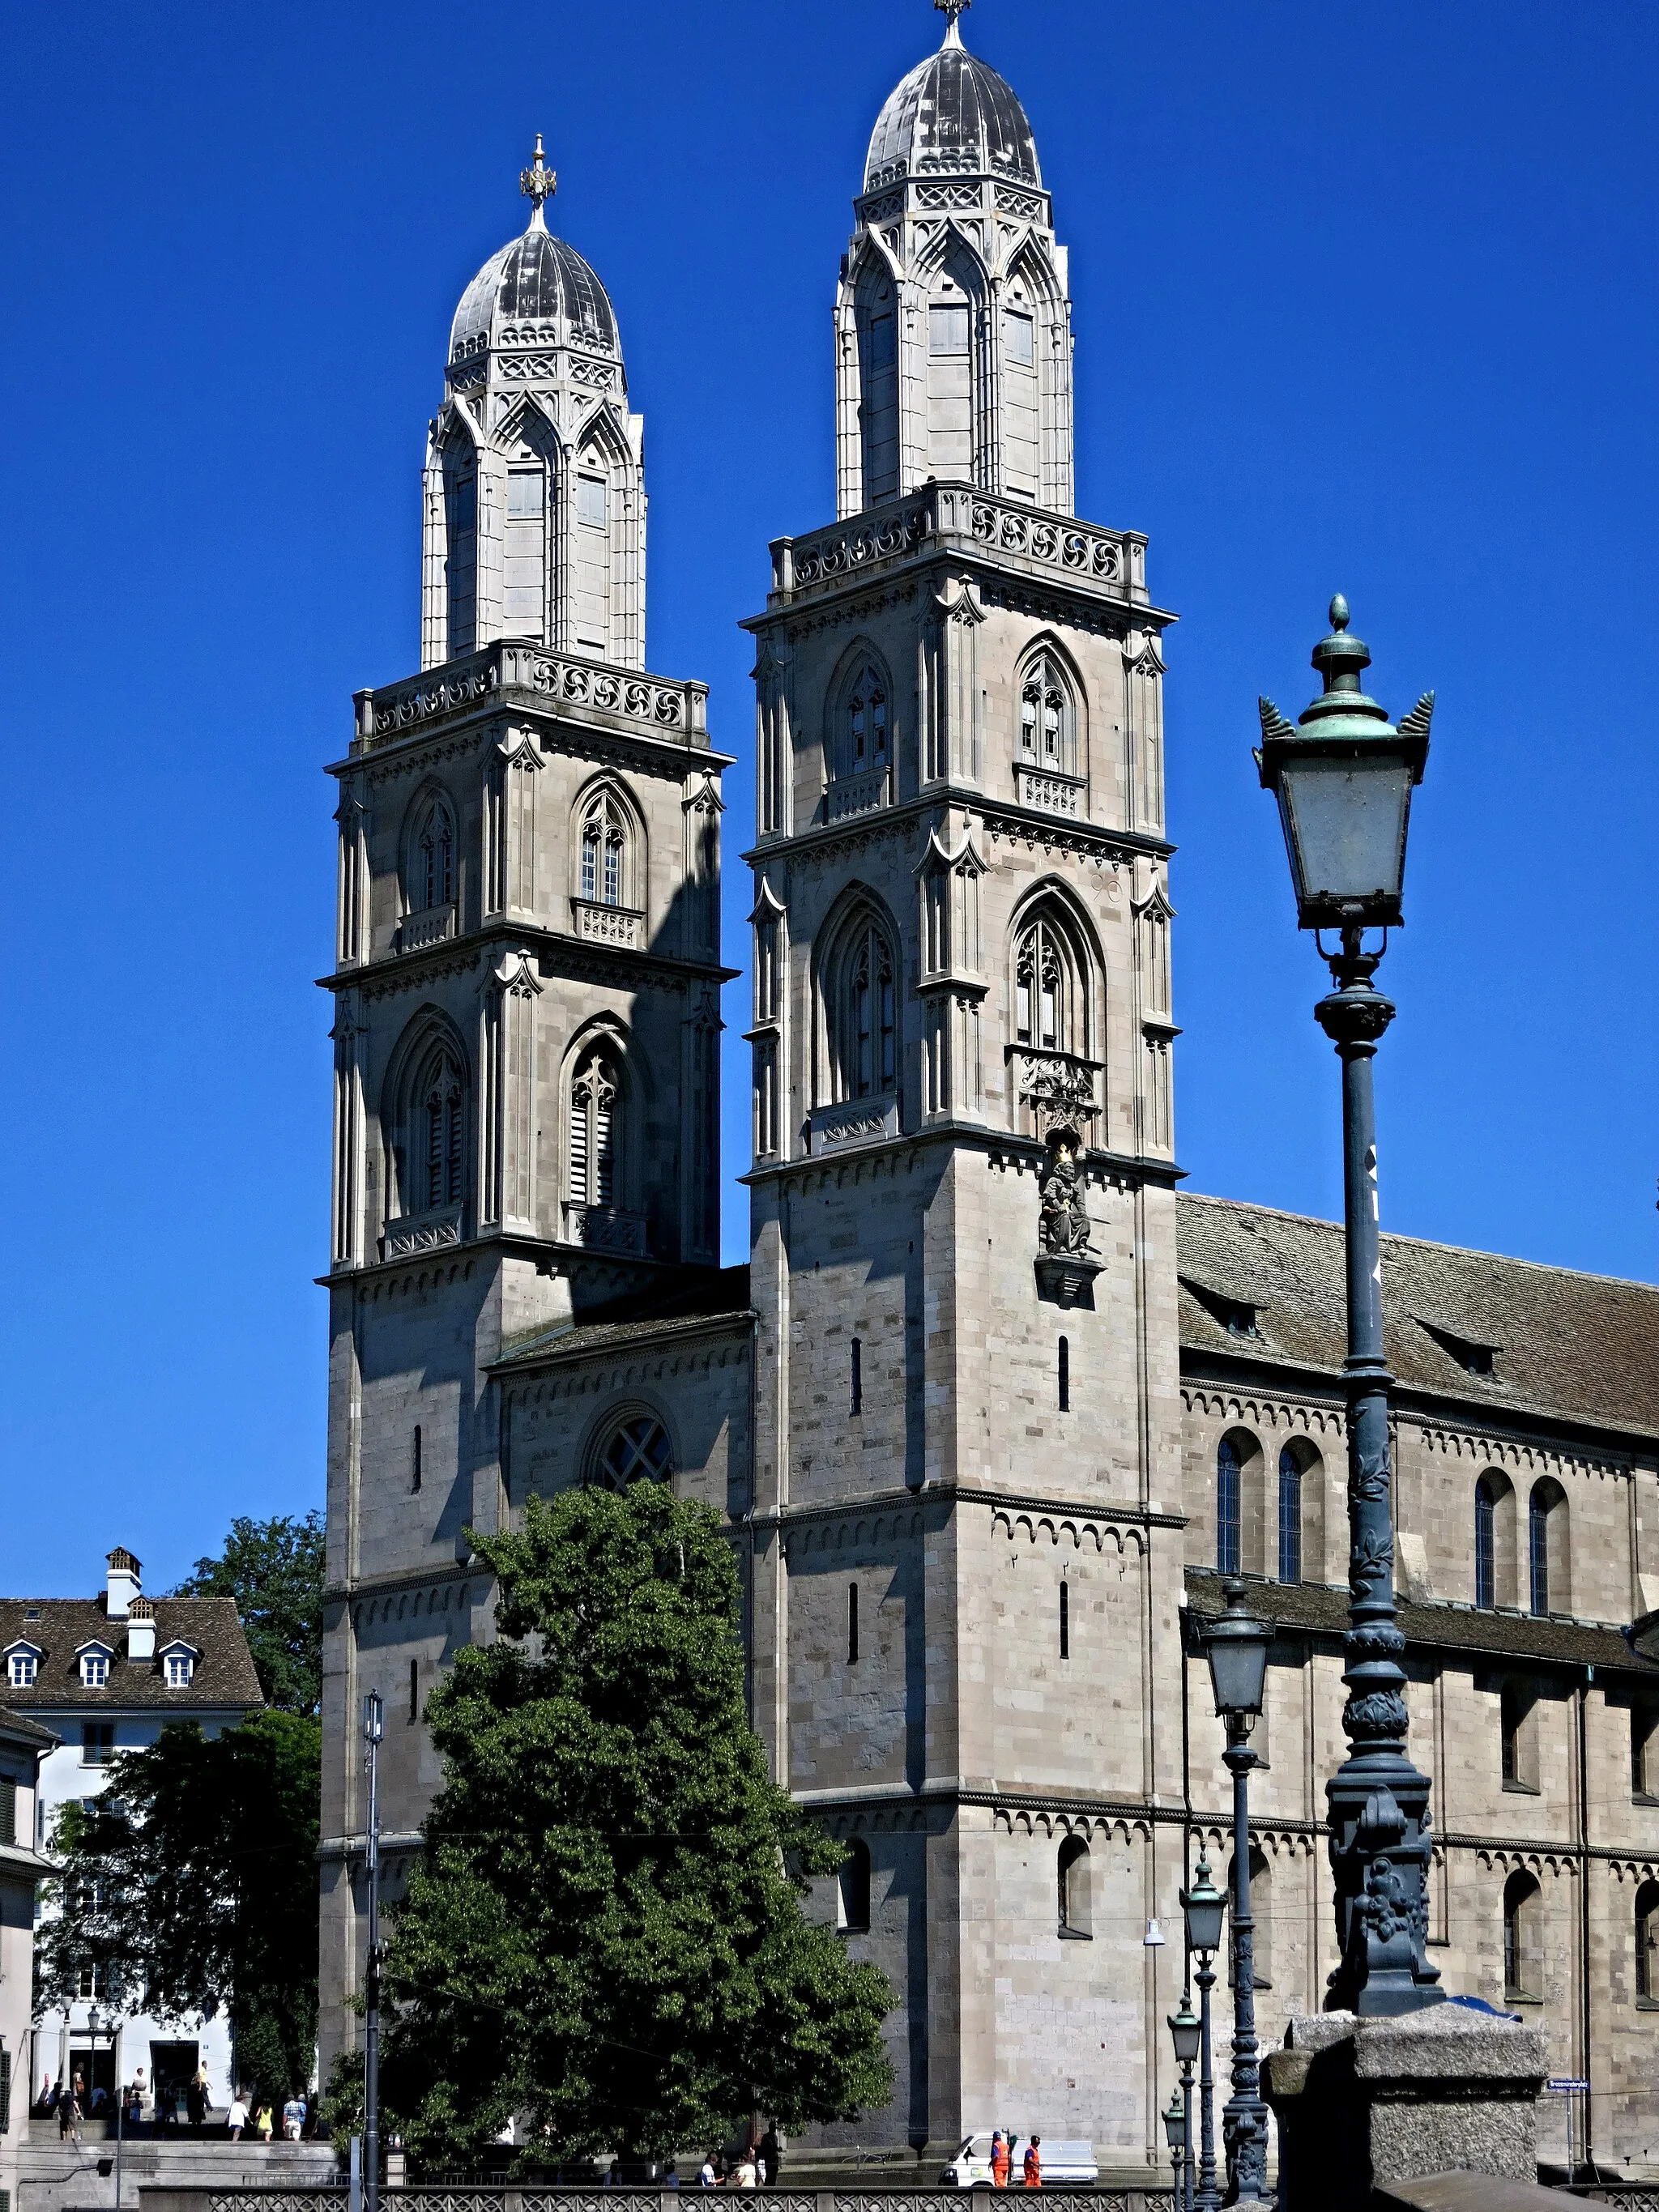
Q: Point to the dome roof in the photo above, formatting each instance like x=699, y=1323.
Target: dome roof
x=953, y=115
x=537, y=279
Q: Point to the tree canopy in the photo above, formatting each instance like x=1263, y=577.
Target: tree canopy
x=191, y=1882
x=602, y=1938
x=274, y=1571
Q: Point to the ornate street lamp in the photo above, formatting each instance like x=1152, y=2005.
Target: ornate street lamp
x=1186, y=2032
x=374, y=1730
x=1236, y=1646
x=1343, y=780
x=1174, y=2120
x=1206, y=1909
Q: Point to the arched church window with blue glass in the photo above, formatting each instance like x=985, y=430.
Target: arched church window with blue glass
x=1229, y=1485
x=1290, y=1516
x=1486, y=1546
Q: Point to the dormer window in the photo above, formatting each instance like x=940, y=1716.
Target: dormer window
x=178, y=1666
x=21, y=1663
x=1471, y=1356
x=1237, y=1315
x=95, y=1667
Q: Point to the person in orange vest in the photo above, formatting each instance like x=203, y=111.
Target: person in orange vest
x=1000, y=2161
x=1034, y=2163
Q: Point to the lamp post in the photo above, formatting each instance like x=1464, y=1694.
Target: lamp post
x=1205, y=1907
x=1343, y=780
x=1236, y=1646
x=1174, y=2125
x=373, y=1729
x=94, y=2029
x=1185, y=2032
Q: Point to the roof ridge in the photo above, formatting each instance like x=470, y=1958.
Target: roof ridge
x=1427, y=1243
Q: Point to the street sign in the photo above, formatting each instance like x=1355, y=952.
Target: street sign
x=1569, y=2087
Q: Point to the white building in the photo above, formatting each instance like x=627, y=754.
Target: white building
x=105, y=1675
x=23, y=1745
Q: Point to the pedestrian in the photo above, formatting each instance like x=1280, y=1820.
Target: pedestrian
x=261, y=2122
x=671, y=2177
x=294, y=2118
x=1000, y=2161
x=1034, y=2163
x=708, y=2178
x=747, y=2176
x=771, y=2154
x=48, y=2096
x=238, y=2115
x=69, y=2112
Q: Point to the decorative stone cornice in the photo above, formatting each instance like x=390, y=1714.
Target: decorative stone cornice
x=559, y=953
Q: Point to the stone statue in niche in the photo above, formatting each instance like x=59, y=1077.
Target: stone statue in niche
x=1063, y=1221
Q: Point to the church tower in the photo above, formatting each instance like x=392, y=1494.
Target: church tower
x=967, y=1456
x=527, y=1019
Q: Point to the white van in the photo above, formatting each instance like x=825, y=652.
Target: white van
x=1066, y=2164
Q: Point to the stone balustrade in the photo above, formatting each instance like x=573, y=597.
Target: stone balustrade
x=1046, y=791
x=858, y=794
x=597, y=924
x=431, y=926
x=410, y=1233
x=854, y=1121
x=622, y=698
x=604, y=1228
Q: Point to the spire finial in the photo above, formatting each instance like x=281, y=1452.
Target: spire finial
x=537, y=183
x=951, y=9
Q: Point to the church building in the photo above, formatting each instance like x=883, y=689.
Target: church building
x=993, y=1407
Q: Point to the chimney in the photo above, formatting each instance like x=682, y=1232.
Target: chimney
x=141, y=1632
x=124, y=1584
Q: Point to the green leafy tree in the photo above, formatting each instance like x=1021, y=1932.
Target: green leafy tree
x=274, y=1571
x=191, y=1882
x=603, y=1935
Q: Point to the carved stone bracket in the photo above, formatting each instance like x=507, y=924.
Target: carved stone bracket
x=1067, y=1278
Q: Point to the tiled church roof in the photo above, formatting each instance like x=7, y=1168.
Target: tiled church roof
x=224, y=1678
x=1316, y=1609
x=692, y=1301
x=1559, y=1346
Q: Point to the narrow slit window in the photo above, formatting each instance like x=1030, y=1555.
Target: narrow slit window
x=1065, y=1619
x=1065, y=1377
x=414, y=1692
x=415, y=1460
x=855, y=1396
x=852, y=1624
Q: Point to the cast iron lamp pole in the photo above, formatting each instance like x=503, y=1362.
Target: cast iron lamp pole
x=1205, y=1907
x=1185, y=2031
x=373, y=1729
x=1173, y=2118
x=1344, y=779
x=1236, y=1646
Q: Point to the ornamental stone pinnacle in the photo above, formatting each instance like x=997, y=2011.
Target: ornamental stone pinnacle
x=537, y=183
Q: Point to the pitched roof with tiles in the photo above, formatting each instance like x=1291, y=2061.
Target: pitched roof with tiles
x=684, y=1306
x=223, y=1677
x=1582, y=1349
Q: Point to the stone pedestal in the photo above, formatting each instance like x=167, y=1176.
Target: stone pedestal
x=1364, y=2103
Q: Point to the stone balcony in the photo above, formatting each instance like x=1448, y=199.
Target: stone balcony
x=945, y=517
x=431, y=926
x=623, y=699
x=854, y=1121
x=410, y=1233
x=597, y=924
x=1046, y=791
x=604, y=1228
x=858, y=794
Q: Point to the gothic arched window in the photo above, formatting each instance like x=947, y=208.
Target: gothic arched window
x=1045, y=989
x=1072, y=1869
x=864, y=723
x=1290, y=1516
x=594, y=1114
x=441, y=1123
x=867, y=1014
x=877, y=318
x=1547, y=1547
x=605, y=852
x=432, y=857
x=461, y=555
x=1486, y=1546
x=1047, y=720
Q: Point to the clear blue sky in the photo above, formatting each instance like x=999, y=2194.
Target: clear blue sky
x=1365, y=300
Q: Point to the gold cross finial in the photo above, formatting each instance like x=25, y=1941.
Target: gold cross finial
x=537, y=183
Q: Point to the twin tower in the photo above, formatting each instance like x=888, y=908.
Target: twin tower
x=958, y=1326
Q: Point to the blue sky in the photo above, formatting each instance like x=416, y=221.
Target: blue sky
x=1364, y=301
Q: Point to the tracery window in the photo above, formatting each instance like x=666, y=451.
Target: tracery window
x=867, y=1014
x=1045, y=989
x=1047, y=722
x=636, y=1450
x=1290, y=1516
x=866, y=723
x=432, y=857
x=604, y=852
x=593, y=1114
x=443, y=1120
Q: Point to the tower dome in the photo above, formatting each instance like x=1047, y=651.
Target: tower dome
x=952, y=115
x=535, y=478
